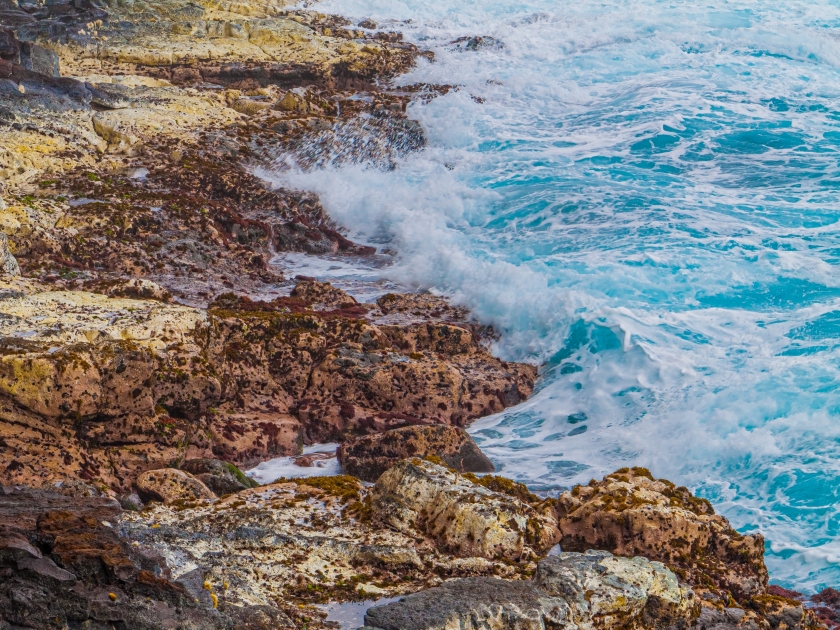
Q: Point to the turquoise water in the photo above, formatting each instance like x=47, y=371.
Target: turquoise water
x=643, y=196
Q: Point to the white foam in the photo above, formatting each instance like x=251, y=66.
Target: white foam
x=273, y=469
x=681, y=296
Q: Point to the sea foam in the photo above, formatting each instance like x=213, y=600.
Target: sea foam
x=643, y=197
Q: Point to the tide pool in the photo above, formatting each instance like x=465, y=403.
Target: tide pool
x=643, y=196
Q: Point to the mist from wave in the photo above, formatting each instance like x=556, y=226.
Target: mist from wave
x=643, y=196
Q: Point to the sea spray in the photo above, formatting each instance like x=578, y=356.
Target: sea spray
x=642, y=196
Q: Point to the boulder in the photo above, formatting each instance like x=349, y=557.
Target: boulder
x=8, y=264
x=631, y=513
x=595, y=590
x=39, y=59
x=369, y=456
x=321, y=296
x=169, y=485
x=221, y=477
x=462, y=517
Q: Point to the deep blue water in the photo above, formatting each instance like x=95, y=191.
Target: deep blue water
x=644, y=196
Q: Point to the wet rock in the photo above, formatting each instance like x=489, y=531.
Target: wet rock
x=464, y=518
x=220, y=477
x=369, y=456
x=591, y=590
x=631, y=513
x=169, y=486
x=478, y=43
x=300, y=236
x=8, y=264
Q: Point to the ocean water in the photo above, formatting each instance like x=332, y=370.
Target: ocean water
x=643, y=196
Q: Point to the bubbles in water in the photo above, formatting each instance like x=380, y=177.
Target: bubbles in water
x=643, y=197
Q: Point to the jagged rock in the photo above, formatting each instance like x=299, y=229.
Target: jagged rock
x=145, y=384
x=595, y=590
x=39, y=59
x=322, y=296
x=631, y=513
x=369, y=456
x=463, y=518
x=169, y=485
x=9, y=45
x=221, y=477
x=64, y=564
x=313, y=538
x=8, y=264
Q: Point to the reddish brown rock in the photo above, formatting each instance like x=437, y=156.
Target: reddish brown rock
x=169, y=485
x=630, y=513
x=369, y=456
x=244, y=382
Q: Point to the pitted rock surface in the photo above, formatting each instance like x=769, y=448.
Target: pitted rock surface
x=462, y=517
x=595, y=590
x=369, y=456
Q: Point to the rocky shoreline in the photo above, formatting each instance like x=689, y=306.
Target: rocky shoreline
x=151, y=348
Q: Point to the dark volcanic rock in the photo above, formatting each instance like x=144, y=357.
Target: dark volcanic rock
x=9, y=45
x=369, y=456
x=38, y=59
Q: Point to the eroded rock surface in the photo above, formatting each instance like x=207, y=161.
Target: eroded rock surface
x=111, y=387
x=631, y=513
x=462, y=517
x=64, y=564
x=591, y=590
x=369, y=456
x=170, y=485
x=322, y=538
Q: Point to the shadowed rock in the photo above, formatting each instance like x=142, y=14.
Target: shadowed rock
x=169, y=485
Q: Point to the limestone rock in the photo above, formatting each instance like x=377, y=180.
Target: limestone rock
x=170, y=485
x=369, y=456
x=8, y=264
x=631, y=513
x=306, y=536
x=589, y=591
x=464, y=518
x=220, y=477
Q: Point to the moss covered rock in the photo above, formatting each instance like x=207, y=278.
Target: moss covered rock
x=631, y=513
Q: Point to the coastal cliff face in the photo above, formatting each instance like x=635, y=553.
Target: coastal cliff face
x=149, y=346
